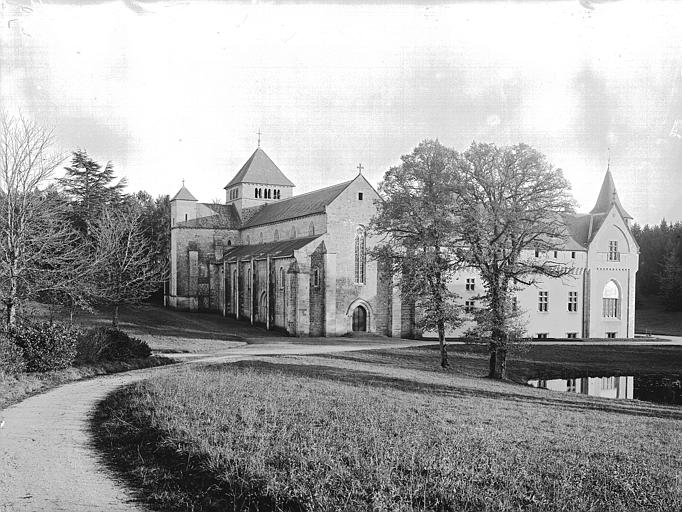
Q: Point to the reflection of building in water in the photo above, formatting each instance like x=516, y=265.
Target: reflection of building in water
x=607, y=387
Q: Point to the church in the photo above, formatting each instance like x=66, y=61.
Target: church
x=298, y=263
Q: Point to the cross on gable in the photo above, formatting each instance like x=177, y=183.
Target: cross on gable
x=360, y=168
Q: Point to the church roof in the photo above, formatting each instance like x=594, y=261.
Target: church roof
x=274, y=249
x=609, y=196
x=226, y=217
x=297, y=206
x=259, y=168
x=184, y=195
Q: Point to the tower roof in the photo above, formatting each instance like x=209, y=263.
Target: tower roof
x=184, y=195
x=609, y=196
x=260, y=169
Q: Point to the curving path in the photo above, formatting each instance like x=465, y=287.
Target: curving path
x=46, y=460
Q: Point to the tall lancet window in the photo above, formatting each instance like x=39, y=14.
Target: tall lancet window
x=611, y=300
x=360, y=256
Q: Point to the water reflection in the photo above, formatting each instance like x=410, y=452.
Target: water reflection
x=662, y=390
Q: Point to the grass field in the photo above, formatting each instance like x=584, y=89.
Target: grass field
x=537, y=361
x=384, y=431
x=651, y=317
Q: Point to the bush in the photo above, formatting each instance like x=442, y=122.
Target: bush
x=11, y=356
x=108, y=344
x=45, y=346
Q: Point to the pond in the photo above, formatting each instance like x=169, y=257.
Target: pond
x=651, y=388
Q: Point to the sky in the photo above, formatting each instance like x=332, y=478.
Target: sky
x=168, y=91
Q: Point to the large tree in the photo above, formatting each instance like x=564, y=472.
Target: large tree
x=417, y=226
x=511, y=207
x=39, y=251
x=91, y=188
x=127, y=271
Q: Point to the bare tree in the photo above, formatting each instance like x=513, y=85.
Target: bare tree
x=512, y=206
x=38, y=250
x=126, y=268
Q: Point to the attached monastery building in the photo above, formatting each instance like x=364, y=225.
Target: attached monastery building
x=299, y=263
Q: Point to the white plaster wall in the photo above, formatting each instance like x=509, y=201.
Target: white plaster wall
x=622, y=272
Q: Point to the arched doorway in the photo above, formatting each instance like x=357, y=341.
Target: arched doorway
x=359, y=319
x=262, y=308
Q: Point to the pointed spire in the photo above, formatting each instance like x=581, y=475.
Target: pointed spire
x=183, y=194
x=608, y=196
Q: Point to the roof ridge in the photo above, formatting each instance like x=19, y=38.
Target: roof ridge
x=311, y=192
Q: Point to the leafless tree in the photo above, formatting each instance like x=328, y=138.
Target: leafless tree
x=38, y=250
x=126, y=268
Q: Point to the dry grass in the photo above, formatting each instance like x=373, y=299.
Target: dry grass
x=15, y=388
x=335, y=434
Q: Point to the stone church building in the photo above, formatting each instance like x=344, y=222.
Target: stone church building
x=298, y=263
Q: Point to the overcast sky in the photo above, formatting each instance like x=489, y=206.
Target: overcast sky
x=172, y=90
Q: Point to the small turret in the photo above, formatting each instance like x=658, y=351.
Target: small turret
x=183, y=206
x=608, y=197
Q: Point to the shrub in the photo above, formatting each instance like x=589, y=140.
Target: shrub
x=45, y=346
x=108, y=344
x=11, y=356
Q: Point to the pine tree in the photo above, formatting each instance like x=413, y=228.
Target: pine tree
x=91, y=189
x=670, y=278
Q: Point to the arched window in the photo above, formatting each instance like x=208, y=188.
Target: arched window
x=248, y=240
x=248, y=281
x=276, y=236
x=281, y=278
x=255, y=192
x=611, y=300
x=276, y=194
x=229, y=242
x=316, y=277
x=293, y=232
x=360, y=256
x=311, y=229
x=269, y=194
x=260, y=237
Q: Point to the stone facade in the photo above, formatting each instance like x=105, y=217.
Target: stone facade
x=299, y=264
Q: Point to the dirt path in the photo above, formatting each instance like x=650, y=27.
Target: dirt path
x=46, y=460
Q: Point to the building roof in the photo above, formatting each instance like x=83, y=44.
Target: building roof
x=608, y=196
x=274, y=249
x=184, y=195
x=226, y=217
x=297, y=206
x=259, y=168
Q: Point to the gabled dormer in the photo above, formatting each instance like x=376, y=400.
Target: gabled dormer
x=258, y=182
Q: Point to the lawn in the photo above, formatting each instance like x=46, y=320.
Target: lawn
x=381, y=433
x=537, y=361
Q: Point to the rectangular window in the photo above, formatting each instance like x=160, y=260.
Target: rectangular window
x=556, y=253
x=614, y=255
x=470, y=284
x=469, y=306
x=542, y=336
x=572, y=335
x=610, y=308
x=360, y=196
x=571, y=385
x=573, y=254
x=543, y=301
x=573, y=301
x=610, y=334
x=537, y=253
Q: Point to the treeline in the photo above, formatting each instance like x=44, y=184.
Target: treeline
x=660, y=263
x=77, y=241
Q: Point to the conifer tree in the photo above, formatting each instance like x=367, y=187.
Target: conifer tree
x=91, y=188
